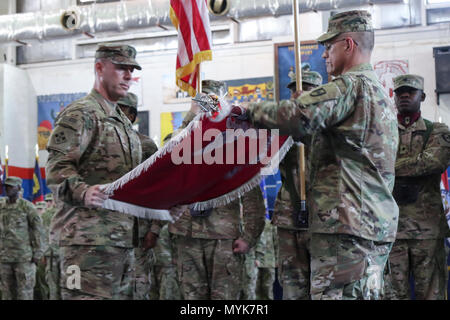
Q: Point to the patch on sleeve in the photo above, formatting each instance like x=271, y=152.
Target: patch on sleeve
x=444, y=140
x=329, y=91
x=63, y=139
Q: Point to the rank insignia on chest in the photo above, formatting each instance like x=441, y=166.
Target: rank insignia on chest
x=407, y=120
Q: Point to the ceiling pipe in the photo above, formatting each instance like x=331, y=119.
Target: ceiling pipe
x=125, y=15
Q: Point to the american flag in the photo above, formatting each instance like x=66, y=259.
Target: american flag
x=191, y=19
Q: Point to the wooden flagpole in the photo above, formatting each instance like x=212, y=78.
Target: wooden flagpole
x=298, y=74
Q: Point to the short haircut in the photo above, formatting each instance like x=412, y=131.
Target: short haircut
x=365, y=40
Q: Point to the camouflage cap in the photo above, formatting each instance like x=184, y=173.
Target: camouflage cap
x=118, y=54
x=13, y=181
x=214, y=87
x=311, y=77
x=48, y=197
x=349, y=21
x=408, y=80
x=130, y=100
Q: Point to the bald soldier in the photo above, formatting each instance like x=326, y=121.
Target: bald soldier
x=353, y=216
x=146, y=241
x=293, y=237
x=423, y=154
x=21, y=243
x=94, y=143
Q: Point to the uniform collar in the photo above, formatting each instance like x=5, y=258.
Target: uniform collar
x=418, y=125
x=361, y=67
x=107, y=106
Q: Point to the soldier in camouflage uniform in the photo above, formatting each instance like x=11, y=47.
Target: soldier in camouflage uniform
x=21, y=243
x=423, y=154
x=94, y=143
x=143, y=253
x=41, y=291
x=164, y=284
x=353, y=216
x=52, y=259
x=293, y=239
x=209, y=244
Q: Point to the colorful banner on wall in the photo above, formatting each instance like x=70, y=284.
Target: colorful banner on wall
x=170, y=121
x=311, y=52
x=250, y=90
x=49, y=106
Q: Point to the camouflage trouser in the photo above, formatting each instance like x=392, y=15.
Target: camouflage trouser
x=426, y=261
x=164, y=284
x=264, y=284
x=249, y=276
x=52, y=276
x=104, y=272
x=294, y=263
x=142, y=266
x=208, y=269
x=17, y=280
x=347, y=267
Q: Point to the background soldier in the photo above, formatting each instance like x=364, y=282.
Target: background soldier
x=293, y=239
x=52, y=259
x=423, y=154
x=143, y=254
x=94, y=143
x=353, y=216
x=21, y=243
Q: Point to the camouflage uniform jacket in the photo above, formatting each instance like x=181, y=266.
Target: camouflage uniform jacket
x=424, y=218
x=148, y=146
x=352, y=161
x=93, y=143
x=21, y=232
x=46, y=220
x=225, y=222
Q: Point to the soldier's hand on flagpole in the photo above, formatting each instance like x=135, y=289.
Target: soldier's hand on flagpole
x=94, y=197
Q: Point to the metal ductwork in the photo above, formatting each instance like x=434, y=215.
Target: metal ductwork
x=125, y=15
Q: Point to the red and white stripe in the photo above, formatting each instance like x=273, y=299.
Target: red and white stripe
x=191, y=18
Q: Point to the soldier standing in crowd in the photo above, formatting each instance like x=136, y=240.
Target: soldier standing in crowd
x=143, y=253
x=94, y=143
x=52, y=259
x=423, y=154
x=21, y=243
x=353, y=216
x=41, y=291
x=293, y=238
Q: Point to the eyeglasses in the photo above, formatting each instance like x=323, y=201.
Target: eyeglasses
x=329, y=45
